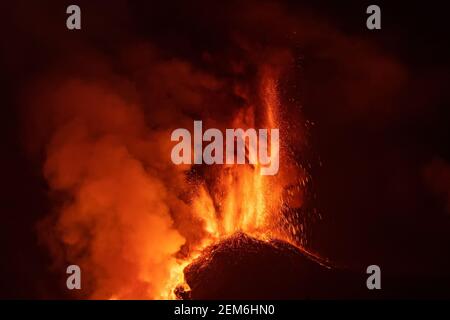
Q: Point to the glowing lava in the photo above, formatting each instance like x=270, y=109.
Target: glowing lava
x=240, y=199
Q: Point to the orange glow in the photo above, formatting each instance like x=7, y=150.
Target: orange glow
x=246, y=201
x=129, y=217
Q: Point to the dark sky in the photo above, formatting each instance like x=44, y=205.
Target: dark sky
x=379, y=101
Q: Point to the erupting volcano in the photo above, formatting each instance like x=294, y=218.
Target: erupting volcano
x=131, y=218
x=170, y=150
x=237, y=199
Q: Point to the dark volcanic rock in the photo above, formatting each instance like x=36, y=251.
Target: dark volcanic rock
x=242, y=267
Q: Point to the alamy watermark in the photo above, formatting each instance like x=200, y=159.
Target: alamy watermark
x=238, y=144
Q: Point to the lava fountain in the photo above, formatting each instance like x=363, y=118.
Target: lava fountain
x=239, y=200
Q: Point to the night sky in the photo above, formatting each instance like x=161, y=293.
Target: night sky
x=378, y=148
